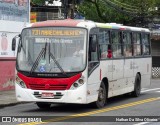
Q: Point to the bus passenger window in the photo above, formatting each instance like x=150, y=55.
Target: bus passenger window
x=146, y=44
x=137, y=44
x=127, y=44
x=116, y=44
x=103, y=40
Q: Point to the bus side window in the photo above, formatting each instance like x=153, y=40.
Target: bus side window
x=127, y=44
x=104, y=44
x=93, y=48
x=137, y=44
x=116, y=44
x=93, y=52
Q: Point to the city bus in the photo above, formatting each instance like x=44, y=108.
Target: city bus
x=81, y=62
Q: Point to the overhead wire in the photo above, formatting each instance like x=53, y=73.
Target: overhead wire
x=124, y=10
x=129, y=13
x=124, y=7
x=131, y=6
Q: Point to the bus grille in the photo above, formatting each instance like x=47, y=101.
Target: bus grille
x=49, y=86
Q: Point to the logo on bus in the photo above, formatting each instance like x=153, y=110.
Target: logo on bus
x=47, y=86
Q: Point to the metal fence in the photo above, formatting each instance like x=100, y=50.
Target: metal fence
x=156, y=66
x=43, y=16
x=44, y=13
x=155, y=72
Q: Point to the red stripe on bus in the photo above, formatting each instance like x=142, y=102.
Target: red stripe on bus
x=67, y=22
x=53, y=83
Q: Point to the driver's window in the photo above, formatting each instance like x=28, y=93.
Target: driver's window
x=93, y=52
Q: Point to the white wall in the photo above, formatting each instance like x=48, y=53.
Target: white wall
x=9, y=29
x=11, y=26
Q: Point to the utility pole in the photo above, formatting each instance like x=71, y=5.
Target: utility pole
x=69, y=6
x=65, y=9
x=71, y=9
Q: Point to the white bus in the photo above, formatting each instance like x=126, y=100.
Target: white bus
x=80, y=61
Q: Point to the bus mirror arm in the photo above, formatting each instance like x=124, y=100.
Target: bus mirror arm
x=14, y=42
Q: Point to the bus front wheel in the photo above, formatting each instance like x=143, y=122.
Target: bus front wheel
x=137, y=87
x=43, y=105
x=102, y=97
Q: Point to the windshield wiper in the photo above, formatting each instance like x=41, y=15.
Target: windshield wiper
x=54, y=59
x=35, y=64
x=45, y=49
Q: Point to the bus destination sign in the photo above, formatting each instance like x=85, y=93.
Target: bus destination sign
x=50, y=32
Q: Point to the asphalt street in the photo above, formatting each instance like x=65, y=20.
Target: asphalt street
x=119, y=109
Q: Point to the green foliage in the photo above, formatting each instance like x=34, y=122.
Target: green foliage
x=101, y=12
x=120, y=11
x=38, y=2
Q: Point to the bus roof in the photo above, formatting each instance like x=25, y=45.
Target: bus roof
x=121, y=27
x=87, y=24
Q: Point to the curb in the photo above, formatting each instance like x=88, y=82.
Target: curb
x=11, y=104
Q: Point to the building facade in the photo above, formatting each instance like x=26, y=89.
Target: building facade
x=155, y=43
x=14, y=15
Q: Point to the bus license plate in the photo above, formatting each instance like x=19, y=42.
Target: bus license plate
x=44, y=94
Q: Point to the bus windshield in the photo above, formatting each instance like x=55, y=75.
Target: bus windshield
x=52, y=50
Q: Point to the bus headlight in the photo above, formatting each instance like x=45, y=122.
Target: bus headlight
x=77, y=83
x=20, y=82
x=81, y=81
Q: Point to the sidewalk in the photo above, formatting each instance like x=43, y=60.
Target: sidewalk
x=7, y=98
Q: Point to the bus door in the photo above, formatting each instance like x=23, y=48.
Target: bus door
x=93, y=67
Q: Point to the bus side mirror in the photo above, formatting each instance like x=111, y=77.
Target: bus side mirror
x=14, y=44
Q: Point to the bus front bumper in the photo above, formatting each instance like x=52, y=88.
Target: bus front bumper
x=66, y=96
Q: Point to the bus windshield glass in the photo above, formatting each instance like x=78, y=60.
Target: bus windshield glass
x=52, y=50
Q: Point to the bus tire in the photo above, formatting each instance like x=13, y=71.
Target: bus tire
x=102, y=97
x=137, y=87
x=43, y=105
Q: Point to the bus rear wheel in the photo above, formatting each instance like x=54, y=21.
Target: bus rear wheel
x=102, y=97
x=43, y=105
x=137, y=87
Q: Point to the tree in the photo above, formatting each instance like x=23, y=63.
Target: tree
x=128, y=12
x=131, y=12
x=100, y=11
x=38, y=2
